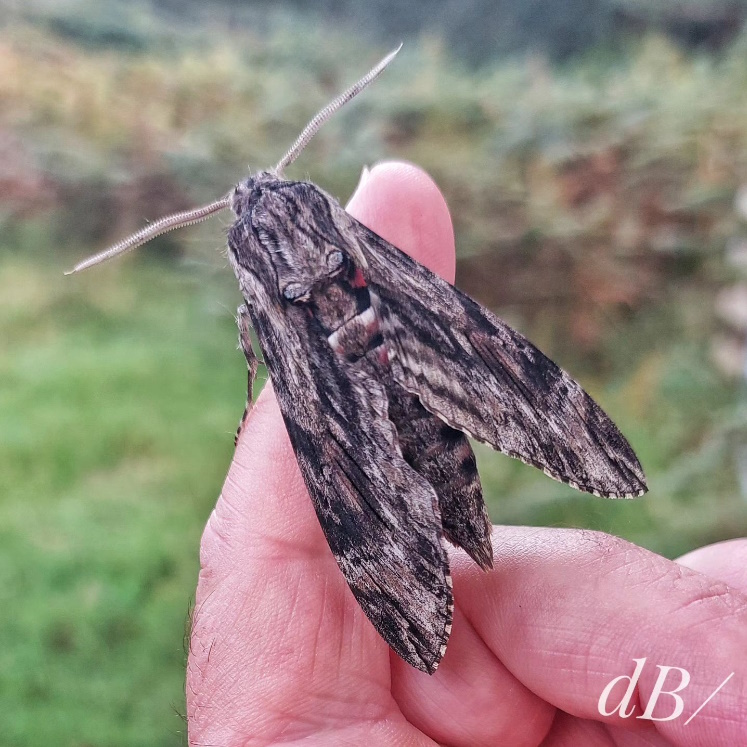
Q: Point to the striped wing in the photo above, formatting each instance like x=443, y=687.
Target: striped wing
x=485, y=379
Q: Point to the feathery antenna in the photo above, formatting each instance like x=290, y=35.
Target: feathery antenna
x=144, y=235
x=196, y=215
x=313, y=127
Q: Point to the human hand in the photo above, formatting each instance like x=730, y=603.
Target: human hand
x=281, y=652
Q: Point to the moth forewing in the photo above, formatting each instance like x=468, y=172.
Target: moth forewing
x=381, y=370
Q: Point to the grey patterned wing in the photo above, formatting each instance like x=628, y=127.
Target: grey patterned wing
x=380, y=517
x=485, y=379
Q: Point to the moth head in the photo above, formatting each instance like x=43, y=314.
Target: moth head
x=234, y=198
x=286, y=225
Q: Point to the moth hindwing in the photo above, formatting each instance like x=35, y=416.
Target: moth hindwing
x=381, y=370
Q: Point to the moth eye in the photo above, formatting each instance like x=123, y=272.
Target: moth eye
x=335, y=259
x=296, y=293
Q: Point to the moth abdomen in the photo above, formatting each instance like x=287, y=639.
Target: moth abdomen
x=347, y=315
x=444, y=457
x=357, y=337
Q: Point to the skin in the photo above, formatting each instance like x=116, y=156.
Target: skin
x=281, y=653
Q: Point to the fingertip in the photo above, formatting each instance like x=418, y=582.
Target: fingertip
x=401, y=203
x=724, y=561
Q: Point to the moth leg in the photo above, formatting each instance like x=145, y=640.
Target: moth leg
x=244, y=323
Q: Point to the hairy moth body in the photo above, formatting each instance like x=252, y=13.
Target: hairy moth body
x=380, y=369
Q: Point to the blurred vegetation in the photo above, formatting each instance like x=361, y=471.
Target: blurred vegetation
x=596, y=206
x=478, y=31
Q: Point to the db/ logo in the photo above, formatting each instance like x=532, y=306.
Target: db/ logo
x=626, y=711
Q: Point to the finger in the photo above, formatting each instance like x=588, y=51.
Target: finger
x=472, y=700
x=402, y=204
x=569, y=731
x=269, y=604
x=567, y=611
x=725, y=561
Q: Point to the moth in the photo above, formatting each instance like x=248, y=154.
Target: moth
x=382, y=371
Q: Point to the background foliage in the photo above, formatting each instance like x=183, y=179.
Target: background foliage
x=594, y=160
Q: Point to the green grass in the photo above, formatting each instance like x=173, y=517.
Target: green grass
x=119, y=393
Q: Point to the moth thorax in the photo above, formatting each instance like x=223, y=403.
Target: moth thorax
x=248, y=190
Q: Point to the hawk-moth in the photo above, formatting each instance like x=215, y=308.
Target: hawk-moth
x=382, y=371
